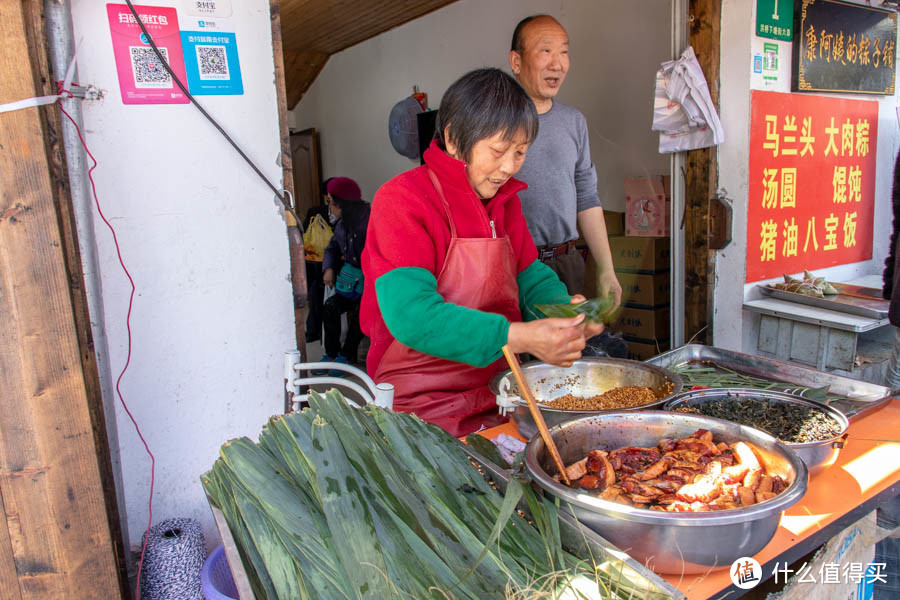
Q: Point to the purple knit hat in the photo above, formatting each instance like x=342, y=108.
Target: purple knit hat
x=344, y=188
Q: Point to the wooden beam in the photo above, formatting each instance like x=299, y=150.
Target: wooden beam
x=59, y=176
x=701, y=182
x=313, y=30
x=55, y=513
x=295, y=237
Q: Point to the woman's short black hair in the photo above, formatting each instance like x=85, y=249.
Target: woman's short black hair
x=481, y=104
x=323, y=190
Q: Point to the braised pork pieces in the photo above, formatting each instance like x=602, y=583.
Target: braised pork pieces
x=692, y=474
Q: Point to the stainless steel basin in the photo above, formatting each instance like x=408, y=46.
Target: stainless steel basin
x=817, y=455
x=668, y=542
x=586, y=377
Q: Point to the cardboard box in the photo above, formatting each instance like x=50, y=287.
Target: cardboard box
x=644, y=349
x=852, y=550
x=640, y=254
x=646, y=207
x=644, y=291
x=615, y=222
x=643, y=323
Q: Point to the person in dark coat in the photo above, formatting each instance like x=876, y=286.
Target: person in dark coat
x=315, y=288
x=888, y=550
x=346, y=247
x=891, y=284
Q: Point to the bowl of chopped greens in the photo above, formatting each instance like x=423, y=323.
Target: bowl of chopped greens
x=816, y=432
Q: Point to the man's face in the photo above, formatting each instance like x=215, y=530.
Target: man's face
x=543, y=63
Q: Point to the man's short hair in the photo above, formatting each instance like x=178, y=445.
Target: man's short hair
x=518, y=43
x=481, y=104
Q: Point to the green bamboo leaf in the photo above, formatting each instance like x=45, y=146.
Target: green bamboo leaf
x=598, y=310
x=250, y=555
x=289, y=509
x=487, y=449
x=510, y=502
x=351, y=503
x=344, y=506
x=443, y=454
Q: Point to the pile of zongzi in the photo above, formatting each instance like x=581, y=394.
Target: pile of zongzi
x=810, y=285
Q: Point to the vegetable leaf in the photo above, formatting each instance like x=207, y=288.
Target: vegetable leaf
x=598, y=310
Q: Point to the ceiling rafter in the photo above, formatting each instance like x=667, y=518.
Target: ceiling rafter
x=313, y=30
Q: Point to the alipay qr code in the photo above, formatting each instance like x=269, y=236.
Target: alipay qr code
x=148, y=71
x=212, y=63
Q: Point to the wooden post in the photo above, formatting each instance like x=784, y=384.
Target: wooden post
x=701, y=182
x=295, y=238
x=56, y=533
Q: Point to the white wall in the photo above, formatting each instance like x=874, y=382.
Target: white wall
x=733, y=328
x=206, y=246
x=616, y=48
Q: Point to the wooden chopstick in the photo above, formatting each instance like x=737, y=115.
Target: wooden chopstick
x=535, y=412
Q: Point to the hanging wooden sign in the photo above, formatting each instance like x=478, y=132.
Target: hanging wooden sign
x=843, y=47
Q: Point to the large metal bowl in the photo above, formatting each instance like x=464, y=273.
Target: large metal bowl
x=586, y=377
x=668, y=542
x=816, y=455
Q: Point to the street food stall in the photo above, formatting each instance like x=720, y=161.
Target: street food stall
x=821, y=487
x=801, y=181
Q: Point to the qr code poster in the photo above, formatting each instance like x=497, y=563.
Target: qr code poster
x=143, y=78
x=211, y=61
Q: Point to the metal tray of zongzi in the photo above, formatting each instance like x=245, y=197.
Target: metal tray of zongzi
x=852, y=397
x=635, y=579
x=849, y=299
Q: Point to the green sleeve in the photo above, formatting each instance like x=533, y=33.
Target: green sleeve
x=538, y=284
x=418, y=317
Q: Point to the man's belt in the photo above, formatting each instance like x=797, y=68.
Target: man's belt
x=548, y=252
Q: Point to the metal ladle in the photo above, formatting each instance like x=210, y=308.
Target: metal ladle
x=535, y=412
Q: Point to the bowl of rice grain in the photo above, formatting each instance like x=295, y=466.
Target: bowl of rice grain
x=590, y=386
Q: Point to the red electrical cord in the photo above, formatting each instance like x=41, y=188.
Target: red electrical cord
x=137, y=592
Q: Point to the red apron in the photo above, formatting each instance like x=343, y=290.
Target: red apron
x=478, y=273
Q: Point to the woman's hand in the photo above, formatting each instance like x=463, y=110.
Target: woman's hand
x=328, y=277
x=590, y=328
x=554, y=341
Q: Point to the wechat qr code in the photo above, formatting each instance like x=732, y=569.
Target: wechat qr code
x=148, y=70
x=212, y=63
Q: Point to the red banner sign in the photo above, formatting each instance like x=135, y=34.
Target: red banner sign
x=812, y=183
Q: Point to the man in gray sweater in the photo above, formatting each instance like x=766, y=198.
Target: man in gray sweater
x=562, y=182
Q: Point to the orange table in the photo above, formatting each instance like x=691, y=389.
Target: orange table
x=865, y=474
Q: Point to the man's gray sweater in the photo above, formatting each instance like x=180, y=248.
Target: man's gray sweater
x=561, y=178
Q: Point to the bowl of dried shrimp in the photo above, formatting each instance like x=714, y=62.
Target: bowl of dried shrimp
x=682, y=493
x=590, y=386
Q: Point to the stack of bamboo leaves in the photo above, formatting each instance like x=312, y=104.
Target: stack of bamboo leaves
x=340, y=502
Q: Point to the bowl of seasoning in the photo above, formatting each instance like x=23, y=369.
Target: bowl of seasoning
x=590, y=386
x=814, y=431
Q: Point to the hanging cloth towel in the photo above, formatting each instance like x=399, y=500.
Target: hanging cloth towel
x=683, y=113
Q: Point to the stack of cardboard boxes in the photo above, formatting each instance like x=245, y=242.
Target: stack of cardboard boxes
x=642, y=267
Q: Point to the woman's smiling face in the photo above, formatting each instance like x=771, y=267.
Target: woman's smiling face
x=493, y=161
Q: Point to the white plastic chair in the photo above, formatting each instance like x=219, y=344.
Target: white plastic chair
x=380, y=394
